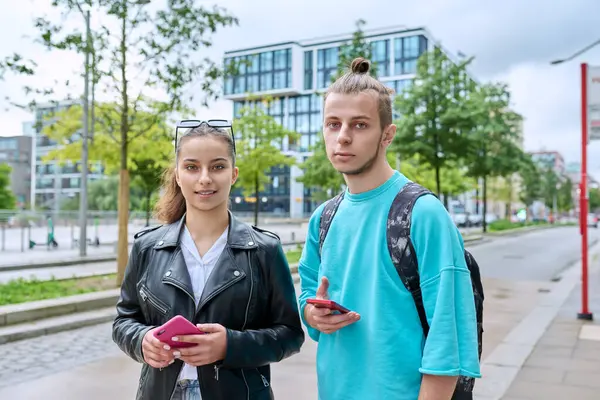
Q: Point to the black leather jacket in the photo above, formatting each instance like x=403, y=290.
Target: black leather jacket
x=250, y=292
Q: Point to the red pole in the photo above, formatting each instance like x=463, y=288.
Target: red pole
x=584, y=314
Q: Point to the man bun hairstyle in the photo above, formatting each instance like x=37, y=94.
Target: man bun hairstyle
x=358, y=80
x=360, y=66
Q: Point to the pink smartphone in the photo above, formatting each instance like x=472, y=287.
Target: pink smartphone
x=330, y=304
x=176, y=326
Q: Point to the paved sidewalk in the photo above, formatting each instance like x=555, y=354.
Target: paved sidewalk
x=565, y=363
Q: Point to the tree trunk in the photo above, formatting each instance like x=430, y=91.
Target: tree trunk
x=148, y=197
x=256, y=203
x=123, y=206
x=438, y=184
x=446, y=196
x=477, y=198
x=484, y=212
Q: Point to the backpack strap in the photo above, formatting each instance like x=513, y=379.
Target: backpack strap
x=401, y=248
x=327, y=217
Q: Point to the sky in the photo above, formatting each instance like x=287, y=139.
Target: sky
x=513, y=41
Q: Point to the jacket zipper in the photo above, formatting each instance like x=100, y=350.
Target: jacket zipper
x=148, y=298
x=246, y=321
x=216, y=367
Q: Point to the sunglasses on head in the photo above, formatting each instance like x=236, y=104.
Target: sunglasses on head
x=213, y=123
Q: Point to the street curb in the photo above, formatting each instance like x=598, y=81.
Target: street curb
x=64, y=263
x=14, y=314
x=523, y=230
x=502, y=365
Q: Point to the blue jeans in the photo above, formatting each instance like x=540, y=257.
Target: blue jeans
x=187, y=389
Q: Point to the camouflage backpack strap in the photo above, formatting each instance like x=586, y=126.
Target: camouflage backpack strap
x=327, y=217
x=401, y=248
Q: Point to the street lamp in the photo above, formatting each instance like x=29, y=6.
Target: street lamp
x=580, y=52
x=585, y=313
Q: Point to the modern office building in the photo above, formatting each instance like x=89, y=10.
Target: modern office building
x=16, y=152
x=550, y=159
x=55, y=183
x=295, y=73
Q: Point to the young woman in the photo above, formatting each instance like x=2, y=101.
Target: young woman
x=229, y=278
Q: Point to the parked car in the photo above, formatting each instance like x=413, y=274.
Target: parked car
x=592, y=220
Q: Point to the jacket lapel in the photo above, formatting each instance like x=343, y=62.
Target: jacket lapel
x=228, y=271
x=177, y=274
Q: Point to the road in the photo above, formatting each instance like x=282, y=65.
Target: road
x=84, y=363
x=531, y=256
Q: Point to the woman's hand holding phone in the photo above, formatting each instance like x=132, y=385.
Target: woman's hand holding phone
x=323, y=319
x=156, y=354
x=210, y=346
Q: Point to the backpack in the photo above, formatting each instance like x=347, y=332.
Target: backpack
x=405, y=261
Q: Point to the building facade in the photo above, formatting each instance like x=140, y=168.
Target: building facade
x=295, y=74
x=16, y=152
x=54, y=183
x=550, y=159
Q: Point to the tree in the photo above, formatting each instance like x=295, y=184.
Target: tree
x=455, y=178
x=424, y=128
x=550, y=186
x=319, y=174
x=594, y=199
x=159, y=46
x=492, y=139
x=258, y=150
x=565, y=195
x=150, y=154
x=358, y=47
x=531, y=185
x=8, y=200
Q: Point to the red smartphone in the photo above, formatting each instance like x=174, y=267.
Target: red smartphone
x=176, y=326
x=330, y=304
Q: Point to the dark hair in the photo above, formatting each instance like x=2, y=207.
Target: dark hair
x=358, y=80
x=171, y=205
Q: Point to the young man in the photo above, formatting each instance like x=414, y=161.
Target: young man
x=379, y=350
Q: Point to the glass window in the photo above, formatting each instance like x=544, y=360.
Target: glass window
x=380, y=56
x=252, y=83
x=266, y=61
x=411, y=47
x=308, y=70
x=280, y=59
x=407, y=50
x=266, y=81
x=254, y=63
x=303, y=104
x=305, y=142
x=279, y=80
x=327, y=66
x=302, y=123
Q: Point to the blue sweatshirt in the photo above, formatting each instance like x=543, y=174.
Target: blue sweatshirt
x=385, y=353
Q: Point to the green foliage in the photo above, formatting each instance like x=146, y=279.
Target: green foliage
x=531, y=183
x=358, y=47
x=454, y=177
x=16, y=64
x=491, y=129
x=550, y=186
x=594, y=200
x=565, y=195
x=319, y=174
x=504, y=225
x=8, y=200
x=150, y=147
x=427, y=126
x=259, y=149
x=103, y=196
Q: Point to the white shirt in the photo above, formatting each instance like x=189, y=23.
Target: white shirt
x=199, y=269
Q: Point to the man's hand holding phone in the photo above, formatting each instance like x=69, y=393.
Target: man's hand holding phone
x=323, y=319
